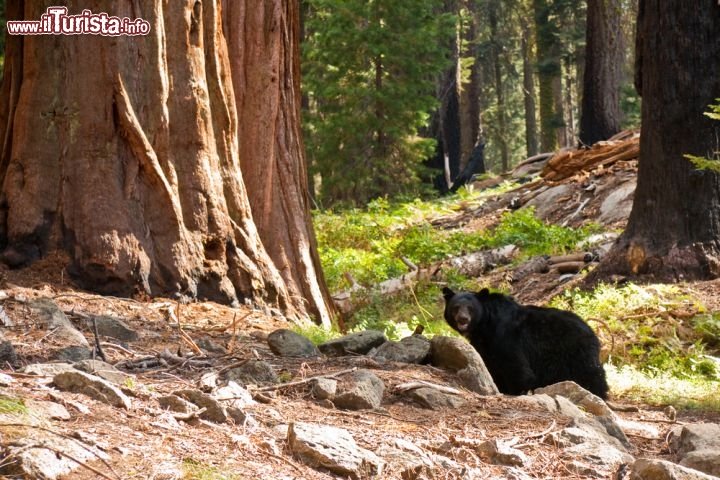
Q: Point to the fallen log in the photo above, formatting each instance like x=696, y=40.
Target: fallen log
x=565, y=164
x=471, y=265
x=573, y=257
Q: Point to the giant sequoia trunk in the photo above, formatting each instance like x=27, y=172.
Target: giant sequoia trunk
x=263, y=38
x=674, y=228
x=604, y=59
x=123, y=152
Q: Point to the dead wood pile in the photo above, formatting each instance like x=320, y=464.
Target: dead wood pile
x=622, y=147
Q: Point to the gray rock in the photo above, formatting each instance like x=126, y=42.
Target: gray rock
x=73, y=353
x=53, y=318
x=333, y=449
x=412, y=462
x=47, y=369
x=606, y=425
x=176, y=404
x=618, y=204
x=579, y=396
x=254, y=372
x=706, y=461
x=478, y=380
x=413, y=349
x=7, y=353
x=242, y=418
x=652, y=469
x=428, y=397
x=215, y=411
x=596, y=459
x=6, y=380
x=359, y=390
x=359, y=342
x=113, y=327
x=459, y=356
x=102, y=370
x=698, y=436
x=92, y=386
x=51, y=410
x=567, y=437
x=233, y=395
x=454, y=353
x=499, y=453
x=22, y=458
x=210, y=346
x=286, y=343
x=546, y=202
x=324, y=388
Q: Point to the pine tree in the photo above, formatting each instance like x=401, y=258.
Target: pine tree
x=369, y=73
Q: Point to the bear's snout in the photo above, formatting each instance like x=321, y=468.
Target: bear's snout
x=462, y=319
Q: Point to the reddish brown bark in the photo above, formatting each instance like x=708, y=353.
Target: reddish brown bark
x=123, y=152
x=263, y=39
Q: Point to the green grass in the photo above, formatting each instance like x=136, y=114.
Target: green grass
x=194, y=470
x=661, y=330
x=12, y=406
x=370, y=244
x=659, y=388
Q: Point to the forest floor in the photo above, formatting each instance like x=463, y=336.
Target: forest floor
x=145, y=442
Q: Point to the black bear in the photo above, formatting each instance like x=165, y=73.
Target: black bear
x=526, y=347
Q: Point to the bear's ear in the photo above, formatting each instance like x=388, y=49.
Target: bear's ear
x=447, y=293
x=484, y=293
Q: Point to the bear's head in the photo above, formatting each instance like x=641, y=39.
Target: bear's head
x=462, y=308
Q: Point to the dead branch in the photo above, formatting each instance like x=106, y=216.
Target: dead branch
x=304, y=381
x=404, y=387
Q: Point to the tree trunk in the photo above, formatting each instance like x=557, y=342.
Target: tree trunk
x=470, y=124
x=531, y=140
x=263, y=43
x=604, y=59
x=499, y=89
x=674, y=228
x=123, y=152
x=548, y=58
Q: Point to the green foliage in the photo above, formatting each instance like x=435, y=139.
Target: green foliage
x=12, y=406
x=639, y=326
x=713, y=162
x=369, y=69
x=194, y=470
x=369, y=244
x=315, y=333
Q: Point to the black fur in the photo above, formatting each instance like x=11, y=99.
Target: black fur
x=526, y=347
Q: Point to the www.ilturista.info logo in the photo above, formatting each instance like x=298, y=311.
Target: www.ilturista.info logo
x=56, y=21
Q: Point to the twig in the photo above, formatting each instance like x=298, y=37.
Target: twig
x=191, y=343
x=118, y=347
x=232, y=365
x=304, y=381
x=98, y=348
x=186, y=417
x=403, y=387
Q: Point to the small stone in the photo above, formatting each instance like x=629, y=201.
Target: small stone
x=7, y=353
x=6, y=380
x=54, y=319
x=433, y=399
x=176, y=404
x=324, y=388
x=242, y=418
x=579, y=396
x=73, y=353
x=254, y=372
x=211, y=346
x=234, y=395
x=113, y=327
x=499, y=453
x=47, y=369
x=214, y=410
x=51, y=410
x=333, y=449
x=359, y=390
x=92, y=386
x=102, y=370
x=413, y=349
x=478, y=380
x=286, y=343
x=355, y=343
x=652, y=469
